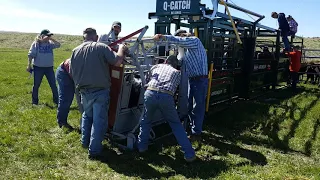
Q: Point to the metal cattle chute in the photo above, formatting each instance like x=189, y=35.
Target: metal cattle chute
x=238, y=69
x=128, y=84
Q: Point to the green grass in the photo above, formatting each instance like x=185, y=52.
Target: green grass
x=275, y=139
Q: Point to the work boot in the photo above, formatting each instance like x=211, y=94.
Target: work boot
x=195, y=137
x=190, y=160
x=67, y=125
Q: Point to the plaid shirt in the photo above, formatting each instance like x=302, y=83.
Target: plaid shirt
x=195, y=55
x=164, y=77
x=293, y=26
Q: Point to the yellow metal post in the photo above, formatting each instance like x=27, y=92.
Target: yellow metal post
x=196, y=32
x=209, y=86
x=232, y=22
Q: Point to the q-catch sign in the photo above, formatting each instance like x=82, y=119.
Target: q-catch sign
x=181, y=7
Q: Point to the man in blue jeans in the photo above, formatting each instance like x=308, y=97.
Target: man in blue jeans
x=164, y=79
x=284, y=28
x=41, y=53
x=195, y=58
x=89, y=68
x=66, y=94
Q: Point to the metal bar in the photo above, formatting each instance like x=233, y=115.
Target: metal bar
x=256, y=22
x=312, y=57
x=223, y=23
x=209, y=87
x=233, y=36
x=129, y=36
x=308, y=73
x=267, y=35
x=311, y=49
x=219, y=14
x=266, y=27
x=240, y=9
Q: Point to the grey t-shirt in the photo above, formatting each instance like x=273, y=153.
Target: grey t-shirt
x=89, y=65
x=42, y=53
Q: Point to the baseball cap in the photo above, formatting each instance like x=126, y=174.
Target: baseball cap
x=89, y=31
x=179, y=31
x=173, y=60
x=46, y=32
x=116, y=23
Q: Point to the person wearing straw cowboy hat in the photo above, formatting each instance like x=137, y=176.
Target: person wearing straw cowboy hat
x=195, y=58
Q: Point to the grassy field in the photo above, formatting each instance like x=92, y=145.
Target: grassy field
x=273, y=137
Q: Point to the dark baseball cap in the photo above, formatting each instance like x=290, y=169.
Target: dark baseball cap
x=172, y=60
x=179, y=31
x=116, y=23
x=89, y=31
x=46, y=32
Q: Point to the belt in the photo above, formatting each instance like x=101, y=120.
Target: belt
x=198, y=77
x=64, y=68
x=160, y=90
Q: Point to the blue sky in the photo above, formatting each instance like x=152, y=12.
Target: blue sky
x=72, y=16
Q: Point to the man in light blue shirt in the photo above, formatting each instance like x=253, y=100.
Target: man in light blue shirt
x=195, y=58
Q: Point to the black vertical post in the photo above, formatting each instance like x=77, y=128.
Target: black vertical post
x=209, y=42
x=275, y=64
x=161, y=29
x=249, y=44
x=225, y=9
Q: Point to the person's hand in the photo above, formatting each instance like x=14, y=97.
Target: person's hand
x=46, y=38
x=124, y=48
x=29, y=68
x=157, y=37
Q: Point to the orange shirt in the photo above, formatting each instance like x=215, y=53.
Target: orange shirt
x=295, y=63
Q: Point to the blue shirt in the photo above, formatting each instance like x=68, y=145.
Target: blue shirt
x=195, y=56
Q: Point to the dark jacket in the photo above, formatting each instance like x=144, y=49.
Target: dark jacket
x=283, y=23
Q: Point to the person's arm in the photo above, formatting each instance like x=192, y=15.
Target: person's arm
x=32, y=54
x=178, y=78
x=185, y=42
x=113, y=58
x=55, y=43
x=103, y=38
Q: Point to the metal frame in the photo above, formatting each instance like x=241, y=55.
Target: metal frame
x=216, y=30
x=211, y=24
x=137, y=62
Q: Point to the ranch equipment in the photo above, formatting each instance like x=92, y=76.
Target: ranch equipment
x=235, y=69
x=128, y=86
x=231, y=44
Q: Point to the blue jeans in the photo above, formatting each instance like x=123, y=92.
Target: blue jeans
x=66, y=93
x=165, y=103
x=198, y=93
x=39, y=72
x=94, y=118
x=285, y=41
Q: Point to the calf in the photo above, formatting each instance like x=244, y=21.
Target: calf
x=313, y=73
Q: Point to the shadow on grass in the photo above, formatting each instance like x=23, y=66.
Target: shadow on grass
x=156, y=164
x=222, y=131
x=309, y=144
x=247, y=116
